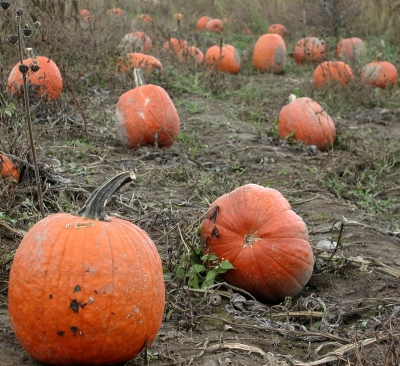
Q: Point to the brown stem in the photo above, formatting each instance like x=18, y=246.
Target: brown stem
x=29, y=120
x=94, y=207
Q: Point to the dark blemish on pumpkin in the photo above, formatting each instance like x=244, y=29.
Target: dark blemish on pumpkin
x=204, y=243
x=74, y=305
x=215, y=233
x=74, y=329
x=61, y=333
x=214, y=214
x=50, y=296
x=77, y=288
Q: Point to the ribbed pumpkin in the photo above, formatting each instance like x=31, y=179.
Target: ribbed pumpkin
x=136, y=42
x=201, y=23
x=254, y=228
x=330, y=72
x=9, y=169
x=85, y=288
x=351, y=49
x=134, y=60
x=46, y=82
x=215, y=25
x=225, y=58
x=146, y=115
x=307, y=121
x=310, y=49
x=269, y=53
x=278, y=29
x=379, y=73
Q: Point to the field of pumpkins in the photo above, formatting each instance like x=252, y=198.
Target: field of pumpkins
x=199, y=183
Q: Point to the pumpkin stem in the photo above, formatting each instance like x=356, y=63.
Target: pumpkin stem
x=94, y=207
x=292, y=98
x=139, y=78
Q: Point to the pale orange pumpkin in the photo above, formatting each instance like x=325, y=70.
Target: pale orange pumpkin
x=136, y=42
x=379, y=73
x=305, y=120
x=201, y=23
x=215, y=25
x=330, y=72
x=192, y=52
x=178, y=16
x=178, y=45
x=10, y=170
x=115, y=11
x=45, y=82
x=278, y=29
x=146, y=115
x=269, y=53
x=134, y=60
x=146, y=18
x=351, y=49
x=225, y=59
x=310, y=49
x=86, y=288
x=254, y=228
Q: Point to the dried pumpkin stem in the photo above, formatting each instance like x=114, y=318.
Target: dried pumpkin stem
x=139, y=77
x=94, y=207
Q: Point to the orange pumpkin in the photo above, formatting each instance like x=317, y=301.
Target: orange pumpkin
x=146, y=18
x=254, y=228
x=329, y=72
x=85, y=288
x=176, y=44
x=308, y=122
x=201, y=23
x=247, y=31
x=379, y=73
x=351, y=49
x=136, y=42
x=116, y=11
x=134, y=60
x=85, y=15
x=192, y=52
x=45, y=82
x=310, y=49
x=215, y=25
x=146, y=115
x=269, y=53
x=178, y=16
x=225, y=59
x=278, y=29
x=9, y=169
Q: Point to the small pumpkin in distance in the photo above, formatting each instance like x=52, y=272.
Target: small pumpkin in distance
x=380, y=74
x=308, y=122
x=85, y=288
x=10, y=170
x=278, y=29
x=178, y=45
x=136, y=42
x=118, y=12
x=215, y=25
x=194, y=53
x=201, y=23
x=224, y=58
x=310, y=49
x=134, y=60
x=332, y=72
x=43, y=78
x=254, y=228
x=178, y=16
x=269, y=54
x=351, y=49
x=146, y=115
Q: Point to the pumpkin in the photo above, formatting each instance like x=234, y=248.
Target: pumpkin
x=247, y=31
x=310, y=49
x=85, y=15
x=178, y=16
x=136, y=42
x=45, y=82
x=254, y=228
x=85, y=288
x=379, y=73
x=201, y=23
x=116, y=11
x=9, y=169
x=225, y=59
x=146, y=18
x=134, y=60
x=330, y=72
x=146, y=115
x=215, y=25
x=351, y=49
x=307, y=121
x=194, y=53
x=269, y=53
x=278, y=29
x=176, y=44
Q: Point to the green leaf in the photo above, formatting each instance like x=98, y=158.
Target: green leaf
x=211, y=275
x=180, y=272
x=194, y=281
x=226, y=265
x=169, y=314
x=167, y=276
x=198, y=268
x=207, y=283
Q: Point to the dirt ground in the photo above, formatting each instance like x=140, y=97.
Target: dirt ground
x=349, y=312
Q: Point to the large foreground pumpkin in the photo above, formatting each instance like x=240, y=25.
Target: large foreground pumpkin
x=146, y=115
x=46, y=81
x=86, y=289
x=307, y=121
x=254, y=228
